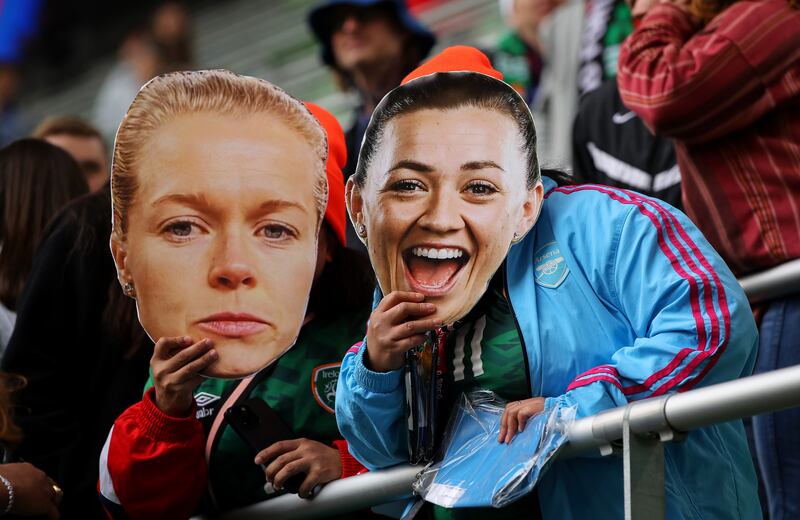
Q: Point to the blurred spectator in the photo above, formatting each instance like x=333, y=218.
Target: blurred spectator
x=171, y=30
x=37, y=179
x=87, y=364
x=606, y=24
x=722, y=78
x=82, y=141
x=556, y=100
x=612, y=146
x=519, y=52
x=164, y=45
x=139, y=60
x=580, y=44
x=9, y=112
x=34, y=493
x=370, y=45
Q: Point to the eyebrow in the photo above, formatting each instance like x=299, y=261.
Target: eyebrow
x=276, y=205
x=199, y=200
x=424, y=168
x=411, y=165
x=195, y=200
x=481, y=165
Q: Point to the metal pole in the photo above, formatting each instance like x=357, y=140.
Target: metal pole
x=643, y=474
x=687, y=411
x=768, y=285
x=338, y=497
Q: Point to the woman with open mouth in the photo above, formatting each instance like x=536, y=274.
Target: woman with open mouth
x=548, y=295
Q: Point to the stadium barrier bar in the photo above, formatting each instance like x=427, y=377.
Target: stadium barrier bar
x=779, y=281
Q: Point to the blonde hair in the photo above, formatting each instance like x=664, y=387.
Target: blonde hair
x=211, y=91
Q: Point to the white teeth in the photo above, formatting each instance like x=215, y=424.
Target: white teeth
x=437, y=254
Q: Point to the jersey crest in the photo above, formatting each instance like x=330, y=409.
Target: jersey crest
x=550, y=267
x=323, y=385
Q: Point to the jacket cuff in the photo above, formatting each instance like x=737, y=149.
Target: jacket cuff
x=350, y=466
x=155, y=424
x=377, y=382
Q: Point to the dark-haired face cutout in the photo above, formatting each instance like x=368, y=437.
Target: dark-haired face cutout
x=443, y=197
x=222, y=236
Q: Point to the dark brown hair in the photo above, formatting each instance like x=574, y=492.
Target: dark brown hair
x=37, y=179
x=10, y=433
x=450, y=91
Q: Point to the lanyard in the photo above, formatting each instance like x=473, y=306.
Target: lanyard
x=424, y=370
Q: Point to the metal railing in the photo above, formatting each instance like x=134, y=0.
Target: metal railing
x=777, y=282
x=639, y=428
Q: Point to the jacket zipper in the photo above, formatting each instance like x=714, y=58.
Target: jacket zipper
x=519, y=330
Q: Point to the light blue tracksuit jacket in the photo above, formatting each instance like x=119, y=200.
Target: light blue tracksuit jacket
x=617, y=297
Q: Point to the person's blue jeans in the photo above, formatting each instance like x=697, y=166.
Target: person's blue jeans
x=777, y=435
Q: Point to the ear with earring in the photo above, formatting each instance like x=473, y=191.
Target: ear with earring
x=516, y=238
x=361, y=231
x=129, y=289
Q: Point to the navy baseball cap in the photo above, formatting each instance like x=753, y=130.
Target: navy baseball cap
x=321, y=24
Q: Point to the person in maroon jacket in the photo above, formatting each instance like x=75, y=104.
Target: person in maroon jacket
x=722, y=78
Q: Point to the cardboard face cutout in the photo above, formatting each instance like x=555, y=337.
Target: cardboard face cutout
x=444, y=195
x=221, y=234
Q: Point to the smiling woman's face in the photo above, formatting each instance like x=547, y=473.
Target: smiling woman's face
x=443, y=198
x=221, y=238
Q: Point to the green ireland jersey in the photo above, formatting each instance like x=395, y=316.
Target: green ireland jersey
x=300, y=386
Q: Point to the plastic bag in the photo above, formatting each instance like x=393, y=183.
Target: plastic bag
x=477, y=470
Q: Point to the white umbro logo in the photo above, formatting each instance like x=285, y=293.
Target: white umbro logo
x=204, y=399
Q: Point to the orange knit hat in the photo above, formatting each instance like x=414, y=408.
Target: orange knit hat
x=337, y=157
x=459, y=58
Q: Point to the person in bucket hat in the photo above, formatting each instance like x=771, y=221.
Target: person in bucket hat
x=369, y=45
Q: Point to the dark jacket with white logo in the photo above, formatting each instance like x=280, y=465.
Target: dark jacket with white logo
x=612, y=146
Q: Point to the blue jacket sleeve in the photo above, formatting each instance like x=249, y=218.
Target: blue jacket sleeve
x=692, y=322
x=370, y=411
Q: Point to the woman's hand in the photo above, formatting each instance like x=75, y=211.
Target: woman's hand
x=34, y=492
x=516, y=415
x=392, y=331
x=320, y=463
x=176, y=366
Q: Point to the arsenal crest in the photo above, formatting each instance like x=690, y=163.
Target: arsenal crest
x=323, y=385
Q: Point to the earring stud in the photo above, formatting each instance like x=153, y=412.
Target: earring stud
x=128, y=289
x=361, y=230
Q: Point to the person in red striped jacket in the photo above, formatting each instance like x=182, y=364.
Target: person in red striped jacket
x=722, y=78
